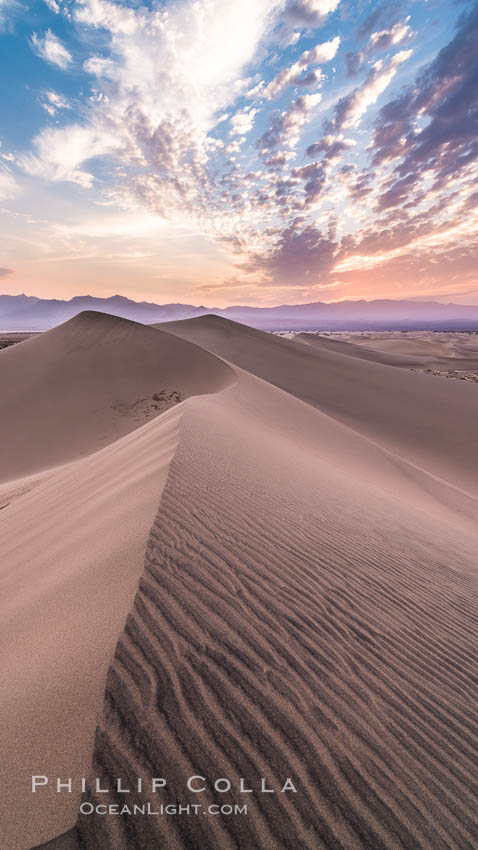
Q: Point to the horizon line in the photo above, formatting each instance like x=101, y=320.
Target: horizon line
x=352, y=299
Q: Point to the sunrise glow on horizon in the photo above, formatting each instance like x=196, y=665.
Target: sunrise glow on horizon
x=220, y=152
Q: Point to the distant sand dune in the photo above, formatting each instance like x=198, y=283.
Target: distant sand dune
x=307, y=607
x=418, y=350
x=74, y=389
x=431, y=423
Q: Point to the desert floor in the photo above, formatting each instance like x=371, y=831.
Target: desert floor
x=228, y=553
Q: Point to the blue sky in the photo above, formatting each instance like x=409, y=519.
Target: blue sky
x=222, y=152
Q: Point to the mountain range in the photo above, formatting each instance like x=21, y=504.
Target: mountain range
x=29, y=313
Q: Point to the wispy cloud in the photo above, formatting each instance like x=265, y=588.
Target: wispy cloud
x=59, y=153
x=52, y=102
x=53, y=6
x=51, y=49
x=8, y=10
x=8, y=185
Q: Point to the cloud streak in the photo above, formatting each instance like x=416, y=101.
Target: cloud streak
x=8, y=9
x=51, y=49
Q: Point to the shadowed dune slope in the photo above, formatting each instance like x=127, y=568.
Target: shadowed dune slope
x=67, y=841
x=71, y=553
x=299, y=618
x=74, y=389
x=431, y=423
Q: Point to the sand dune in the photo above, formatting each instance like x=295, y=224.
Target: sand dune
x=74, y=389
x=419, y=350
x=72, y=551
x=73, y=541
x=295, y=618
x=348, y=346
x=430, y=423
x=307, y=609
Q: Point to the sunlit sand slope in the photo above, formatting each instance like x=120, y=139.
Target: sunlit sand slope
x=307, y=610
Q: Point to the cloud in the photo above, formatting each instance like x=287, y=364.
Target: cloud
x=431, y=127
x=52, y=102
x=180, y=112
x=170, y=78
x=51, y=49
x=6, y=272
x=407, y=242
x=285, y=126
x=323, y=52
x=383, y=14
x=8, y=9
x=294, y=75
x=169, y=73
x=331, y=146
x=59, y=153
x=314, y=176
x=53, y=6
x=378, y=41
x=119, y=20
x=308, y=13
x=301, y=256
x=8, y=186
x=351, y=108
x=389, y=37
x=242, y=122
x=99, y=66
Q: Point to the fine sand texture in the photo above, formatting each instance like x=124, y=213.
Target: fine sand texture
x=276, y=578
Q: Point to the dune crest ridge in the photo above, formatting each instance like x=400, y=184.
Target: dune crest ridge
x=72, y=546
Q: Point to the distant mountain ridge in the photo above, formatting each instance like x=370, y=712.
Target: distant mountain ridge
x=29, y=313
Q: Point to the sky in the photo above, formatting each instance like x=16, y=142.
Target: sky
x=221, y=152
